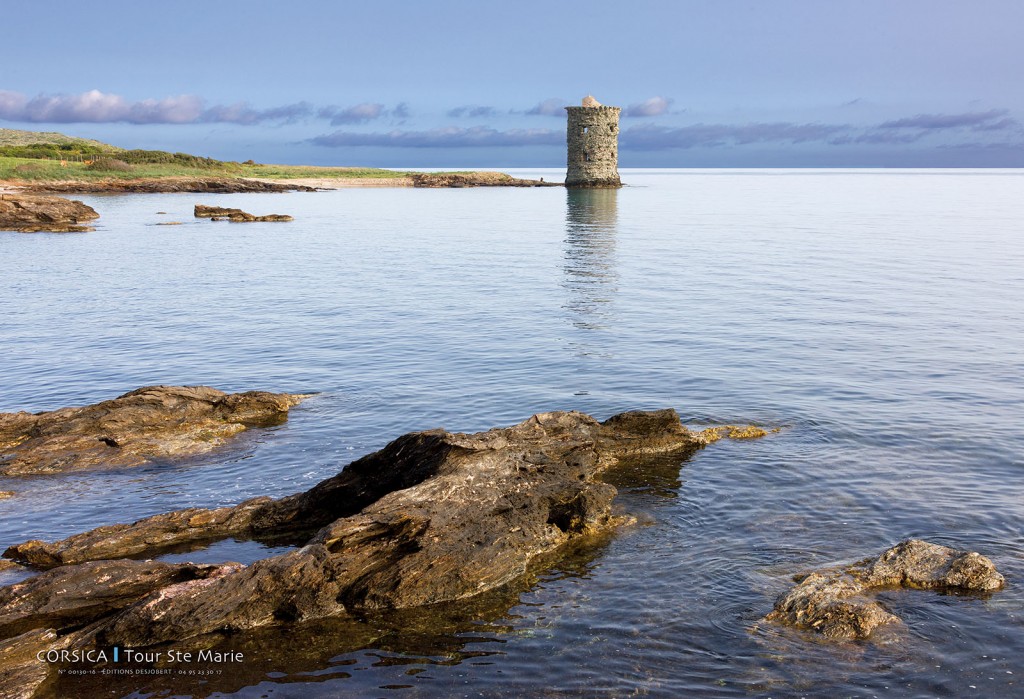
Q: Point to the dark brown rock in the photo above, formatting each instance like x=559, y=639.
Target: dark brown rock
x=433, y=517
x=838, y=603
x=406, y=462
x=266, y=218
x=204, y=211
x=466, y=514
x=21, y=672
x=218, y=213
x=151, y=422
x=71, y=595
x=28, y=213
x=920, y=565
x=149, y=535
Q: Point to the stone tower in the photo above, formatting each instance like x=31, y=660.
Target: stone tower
x=592, y=136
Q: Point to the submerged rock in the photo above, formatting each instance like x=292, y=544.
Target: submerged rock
x=434, y=516
x=34, y=213
x=836, y=602
x=218, y=213
x=148, y=423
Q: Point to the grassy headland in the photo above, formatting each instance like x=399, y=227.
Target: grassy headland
x=50, y=161
x=33, y=170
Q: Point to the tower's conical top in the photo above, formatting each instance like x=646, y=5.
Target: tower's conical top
x=589, y=101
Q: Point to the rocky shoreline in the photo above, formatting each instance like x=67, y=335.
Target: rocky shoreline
x=30, y=207
x=474, y=179
x=434, y=517
x=161, y=185
x=241, y=185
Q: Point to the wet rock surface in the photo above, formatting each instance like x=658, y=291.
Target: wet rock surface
x=148, y=423
x=433, y=517
x=149, y=535
x=35, y=213
x=218, y=213
x=837, y=602
x=68, y=596
x=21, y=673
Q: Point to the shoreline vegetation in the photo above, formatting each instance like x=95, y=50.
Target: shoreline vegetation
x=34, y=165
x=54, y=163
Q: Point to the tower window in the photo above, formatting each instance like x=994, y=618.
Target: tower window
x=585, y=129
x=586, y=156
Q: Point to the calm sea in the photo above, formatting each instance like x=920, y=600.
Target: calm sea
x=876, y=316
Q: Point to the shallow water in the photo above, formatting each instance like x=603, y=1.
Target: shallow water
x=877, y=316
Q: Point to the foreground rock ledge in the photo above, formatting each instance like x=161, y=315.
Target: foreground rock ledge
x=145, y=424
x=434, y=516
x=30, y=214
x=837, y=603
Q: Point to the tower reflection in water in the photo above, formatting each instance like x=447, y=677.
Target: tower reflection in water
x=591, y=280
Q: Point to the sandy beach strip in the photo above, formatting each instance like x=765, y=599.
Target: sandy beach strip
x=339, y=182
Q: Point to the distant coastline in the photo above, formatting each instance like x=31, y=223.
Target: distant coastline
x=49, y=162
x=240, y=184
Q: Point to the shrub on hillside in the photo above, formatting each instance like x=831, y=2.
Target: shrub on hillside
x=51, y=151
x=163, y=157
x=109, y=164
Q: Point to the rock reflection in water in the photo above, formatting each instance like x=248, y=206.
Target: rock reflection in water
x=659, y=476
x=591, y=225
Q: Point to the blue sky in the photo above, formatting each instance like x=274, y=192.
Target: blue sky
x=447, y=83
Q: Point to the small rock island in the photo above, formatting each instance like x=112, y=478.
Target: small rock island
x=133, y=429
x=37, y=213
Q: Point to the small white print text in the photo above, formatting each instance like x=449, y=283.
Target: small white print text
x=128, y=655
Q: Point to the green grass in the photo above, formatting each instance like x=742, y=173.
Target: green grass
x=36, y=156
x=37, y=170
x=17, y=137
x=40, y=170
x=288, y=172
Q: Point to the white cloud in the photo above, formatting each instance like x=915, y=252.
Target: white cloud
x=100, y=107
x=655, y=106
